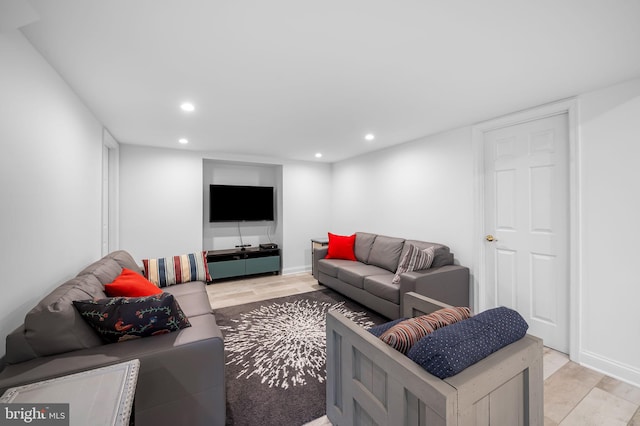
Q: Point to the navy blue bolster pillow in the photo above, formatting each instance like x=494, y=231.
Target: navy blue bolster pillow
x=449, y=350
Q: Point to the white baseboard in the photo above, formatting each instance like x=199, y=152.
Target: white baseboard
x=296, y=270
x=611, y=368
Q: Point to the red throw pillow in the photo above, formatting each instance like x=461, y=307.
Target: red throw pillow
x=341, y=247
x=130, y=284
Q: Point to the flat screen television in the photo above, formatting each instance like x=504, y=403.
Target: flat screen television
x=240, y=203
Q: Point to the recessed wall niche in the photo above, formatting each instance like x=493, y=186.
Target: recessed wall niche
x=228, y=235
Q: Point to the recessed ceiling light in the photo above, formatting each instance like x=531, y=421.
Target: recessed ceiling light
x=318, y=155
x=187, y=106
x=183, y=141
x=370, y=136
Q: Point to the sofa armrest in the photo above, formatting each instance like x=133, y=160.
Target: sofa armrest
x=448, y=284
x=417, y=304
x=18, y=348
x=319, y=253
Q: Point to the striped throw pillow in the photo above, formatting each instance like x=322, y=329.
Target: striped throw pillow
x=414, y=260
x=167, y=271
x=405, y=334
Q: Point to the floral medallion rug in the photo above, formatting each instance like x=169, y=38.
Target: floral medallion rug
x=275, y=356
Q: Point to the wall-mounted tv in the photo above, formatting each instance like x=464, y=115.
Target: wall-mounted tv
x=240, y=203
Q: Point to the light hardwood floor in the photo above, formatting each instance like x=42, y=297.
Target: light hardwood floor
x=573, y=395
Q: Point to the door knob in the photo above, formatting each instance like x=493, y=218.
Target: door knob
x=490, y=238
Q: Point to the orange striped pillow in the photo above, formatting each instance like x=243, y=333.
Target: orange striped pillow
x=405, y=334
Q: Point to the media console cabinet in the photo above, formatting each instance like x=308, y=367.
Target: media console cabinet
x=238, y=263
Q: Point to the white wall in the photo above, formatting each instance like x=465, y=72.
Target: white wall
x=307, y=205
x=610, y=231
x=162, y=196
x=50, y=181
x=419, y=190
x=160, y=201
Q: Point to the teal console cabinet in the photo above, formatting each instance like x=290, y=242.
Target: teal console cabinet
x=239, y=263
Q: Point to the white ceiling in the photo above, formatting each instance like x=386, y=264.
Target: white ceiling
x=289, y=78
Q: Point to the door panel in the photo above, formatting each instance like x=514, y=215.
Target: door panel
x=506, y=267
x=506, y=210
x=526, y=211
x=542, y=282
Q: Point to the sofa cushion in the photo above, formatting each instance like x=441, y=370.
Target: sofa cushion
x=443, y=255
x=191, y=287
x=414, y=259
x=364, y=242
x=117, y=319
x=355, y=273
x=383, y=287
x=405, y=334
x=192, y=302
x=53, y=326
x=130, y=284
x=385, y=252
x=341, y=247
x=124, y=259
x=449, y=350
x=105, y=270
x=168, y=271
x=331, y=267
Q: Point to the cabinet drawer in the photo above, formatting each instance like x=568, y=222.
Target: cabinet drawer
x=226, y=268
x=263, y=264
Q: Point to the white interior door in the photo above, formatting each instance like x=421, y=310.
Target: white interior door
x=527, y=225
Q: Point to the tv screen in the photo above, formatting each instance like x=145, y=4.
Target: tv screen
x=236, y=203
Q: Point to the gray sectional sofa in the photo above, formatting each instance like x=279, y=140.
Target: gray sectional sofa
x=368, y=280
x=181, y=377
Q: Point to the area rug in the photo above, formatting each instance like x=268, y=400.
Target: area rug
x=275, y=356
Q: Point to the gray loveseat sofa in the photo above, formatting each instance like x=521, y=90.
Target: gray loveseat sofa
x=181, y=376
x=368, y=280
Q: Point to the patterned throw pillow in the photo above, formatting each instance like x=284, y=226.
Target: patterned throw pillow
x=167, y=271
x=405, y=334
x=117, y=319
x=414, y=260
x=449, y=350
